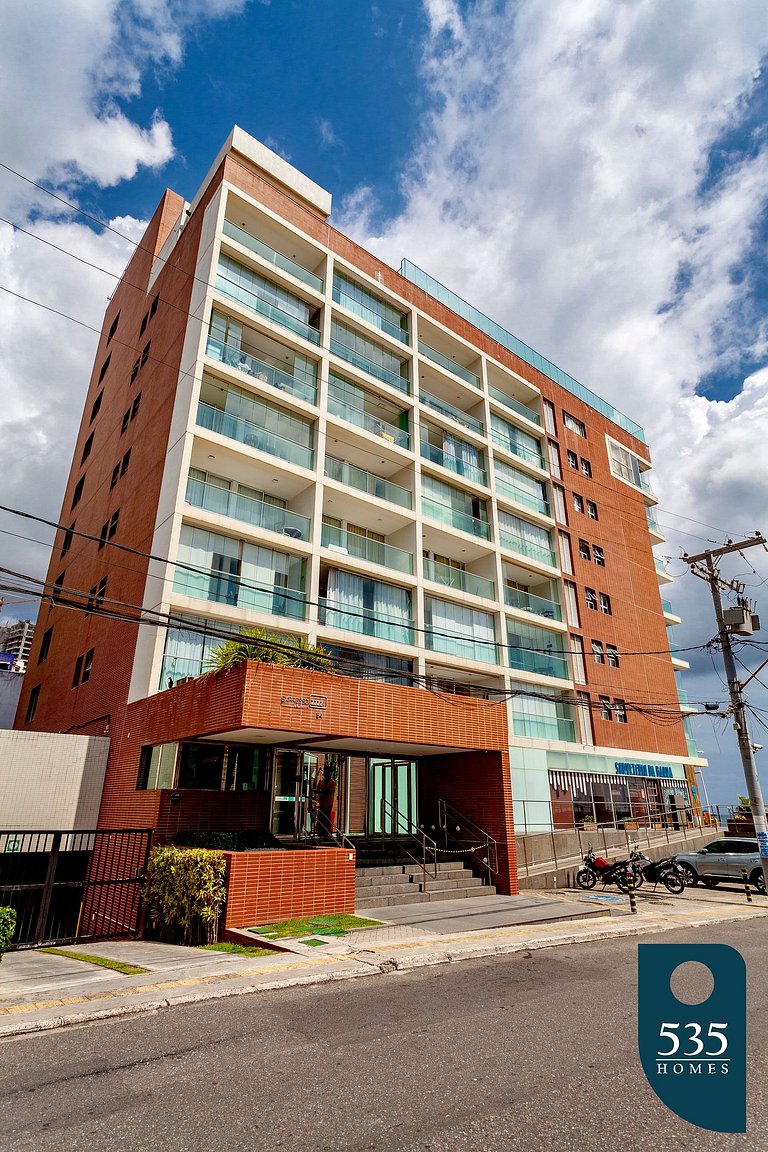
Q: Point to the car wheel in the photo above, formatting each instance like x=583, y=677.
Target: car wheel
x=757, y=879
x=690, y=879
x=710, y=882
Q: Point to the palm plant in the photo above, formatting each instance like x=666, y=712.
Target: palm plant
x=265, y=646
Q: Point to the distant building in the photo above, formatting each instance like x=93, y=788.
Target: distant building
x=17, y=642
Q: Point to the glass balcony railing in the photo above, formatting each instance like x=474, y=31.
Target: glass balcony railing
x=541, y=663
x=527, y=602
x=253, y=435
x=262, y=307
x=367, y=482
x=362, y=419
x=661, y=567
x=176, y=668
x=444, y=514
x=374, y=551
x=510, y=445
x=527, y=548
x=224, y=588
x=299, y=383
x=457, y=578
x=257, y=513
x=462, y=647
x=449, y=365
x=522, y=496
x=667, y=607
x=682, y=695
x=271, y=256
x=378, y=371
x=469, y=471
x=514, y=405
x=369, y=314
x=350, y=618
x=452, y=413
x=545, y=728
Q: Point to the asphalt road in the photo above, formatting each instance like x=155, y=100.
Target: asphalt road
x=535, y=1051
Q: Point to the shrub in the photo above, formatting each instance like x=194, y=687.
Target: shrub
x=184, y=894
x=7, y=928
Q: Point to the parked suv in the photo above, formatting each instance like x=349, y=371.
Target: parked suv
x=723, y=859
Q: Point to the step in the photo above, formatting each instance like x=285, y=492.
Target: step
x=459, y=893
x=423, y=897
x=381, y=878
x=372, y=890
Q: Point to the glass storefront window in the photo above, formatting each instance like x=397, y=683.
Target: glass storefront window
x=201, y=766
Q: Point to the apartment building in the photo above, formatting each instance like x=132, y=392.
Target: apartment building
x=282, y=432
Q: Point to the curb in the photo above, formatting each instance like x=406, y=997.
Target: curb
x=372, y=966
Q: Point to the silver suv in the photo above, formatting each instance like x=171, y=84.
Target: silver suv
x=723, y=859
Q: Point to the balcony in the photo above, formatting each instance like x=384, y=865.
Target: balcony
x=271, y=256
x=363, y=419
x=253, y=435
x=510, y=443
x=367, y=482
x=540, y=663
x=349, y=618
x=537, y=552
x=522, y=496
x=462, y=647
x=449, y=365
x=444, y=514
x=457, y=578
x=544, y=728
x=224, y=588
x=348, y=345
x=364, y=305
x=514, y=405
x=374, y=551
x=527, y=602
x=471, y=472
x=253, y=299
x=446, y=409
x=299, y=384
x=246, y=509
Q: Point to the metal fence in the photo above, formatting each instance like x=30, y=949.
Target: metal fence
x=67, y=886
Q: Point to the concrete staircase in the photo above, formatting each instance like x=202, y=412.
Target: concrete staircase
x=382, y=886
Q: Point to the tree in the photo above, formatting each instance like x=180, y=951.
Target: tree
x=268, y=648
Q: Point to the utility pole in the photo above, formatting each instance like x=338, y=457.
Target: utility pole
x=710, y=574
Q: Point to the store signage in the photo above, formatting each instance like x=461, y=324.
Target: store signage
x=659, y=771
x=314, y=703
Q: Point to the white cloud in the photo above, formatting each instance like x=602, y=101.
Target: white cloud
x=558, y=186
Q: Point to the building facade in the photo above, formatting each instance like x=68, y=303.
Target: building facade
x=281, y=432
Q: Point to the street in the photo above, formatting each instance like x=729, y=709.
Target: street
x=530, y=1051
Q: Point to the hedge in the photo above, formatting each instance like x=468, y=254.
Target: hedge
x=184, y=894
x=7, y=928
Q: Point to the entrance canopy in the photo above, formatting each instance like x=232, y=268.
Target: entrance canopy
x=330, y=743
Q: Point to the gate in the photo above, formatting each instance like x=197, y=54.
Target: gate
x=67, y=886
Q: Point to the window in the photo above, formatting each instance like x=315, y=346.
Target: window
x=549, y=417
x=144, y=322
x=78, y=672
x=66, y=543
x=620, y=711
x=126, y=461
x=591, y=597
x=566, y=560
x=87, y=449
x=578, y=502
x=577, y=660
x=612, y=653
x=573, y=460
x=586, y=467
x=34, y=696
x=96, y=594
x=605, y=603
x=115, y=475
x=584, y=550
x=104, y=368
x=83, y=666
x=45, y=646
x=135, y=406
x=606, y=712
x=78, y=492
x=108, y=529
x=145, y=354
x=135, y=369
x=597, y=652
x=592, y=510
x=554, y=459
x=58, y=584
x=96, y=407
x=113, y=327
x=126, y=418
x=573, y=424
x=598, y=555
x=153, y=307
x=623, y=464
x=571, y=604
x=585, y=717
x=558, y=499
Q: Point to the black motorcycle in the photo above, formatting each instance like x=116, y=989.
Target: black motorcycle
x=597, y=868
x=667, y=872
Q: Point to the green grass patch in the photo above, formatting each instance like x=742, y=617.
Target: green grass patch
x=337, y=925
x=99, y=961
x=238, y=949
x=313, y=943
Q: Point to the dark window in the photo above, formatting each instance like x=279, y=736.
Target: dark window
x=586, y=467
x=45, y=645
x=66, y=543
x=34, y=696
x=126, y=418
x=115, y=475
x=135, y=407
x=87, y=666
x=613, y=655
x=145, y=763
x=135, y=370
x=573, y=460
x=144, y=322
x=605, y=603
x=103, y=534
x=87, y=448
x=153, y=307
x=96, y=594
x=113, y=327
x=125, y=463
x=104, y=368
x=592, y=510
x=620, y=711
x=591, y=597
x=584, y=550
x=201, y=766
x=78, y=492
x=113, y=524
x=145, y=353
x=96, y=406
x=78, y=671
x=597, y=652
x=578, y=502
x=598, y=555
x=58, y=584
x=605, y=708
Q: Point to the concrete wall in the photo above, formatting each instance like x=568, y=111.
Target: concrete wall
x=10, y=690
x=50, y=780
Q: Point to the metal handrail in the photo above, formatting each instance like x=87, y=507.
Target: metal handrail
x=397, y=820
x=488, y=845
x=323, y=826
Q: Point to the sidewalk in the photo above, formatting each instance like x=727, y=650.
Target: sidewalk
x=39, y=991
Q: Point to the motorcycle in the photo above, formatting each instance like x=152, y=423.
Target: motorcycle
x=667, y=872
x=597, y=868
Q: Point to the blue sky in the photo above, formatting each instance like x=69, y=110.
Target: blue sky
x=593, y=175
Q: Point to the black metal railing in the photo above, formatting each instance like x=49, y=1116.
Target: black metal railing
x=395, y=826
x=474, y=840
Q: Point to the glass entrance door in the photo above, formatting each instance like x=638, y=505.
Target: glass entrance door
x=393, y=781
x=287, y=795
